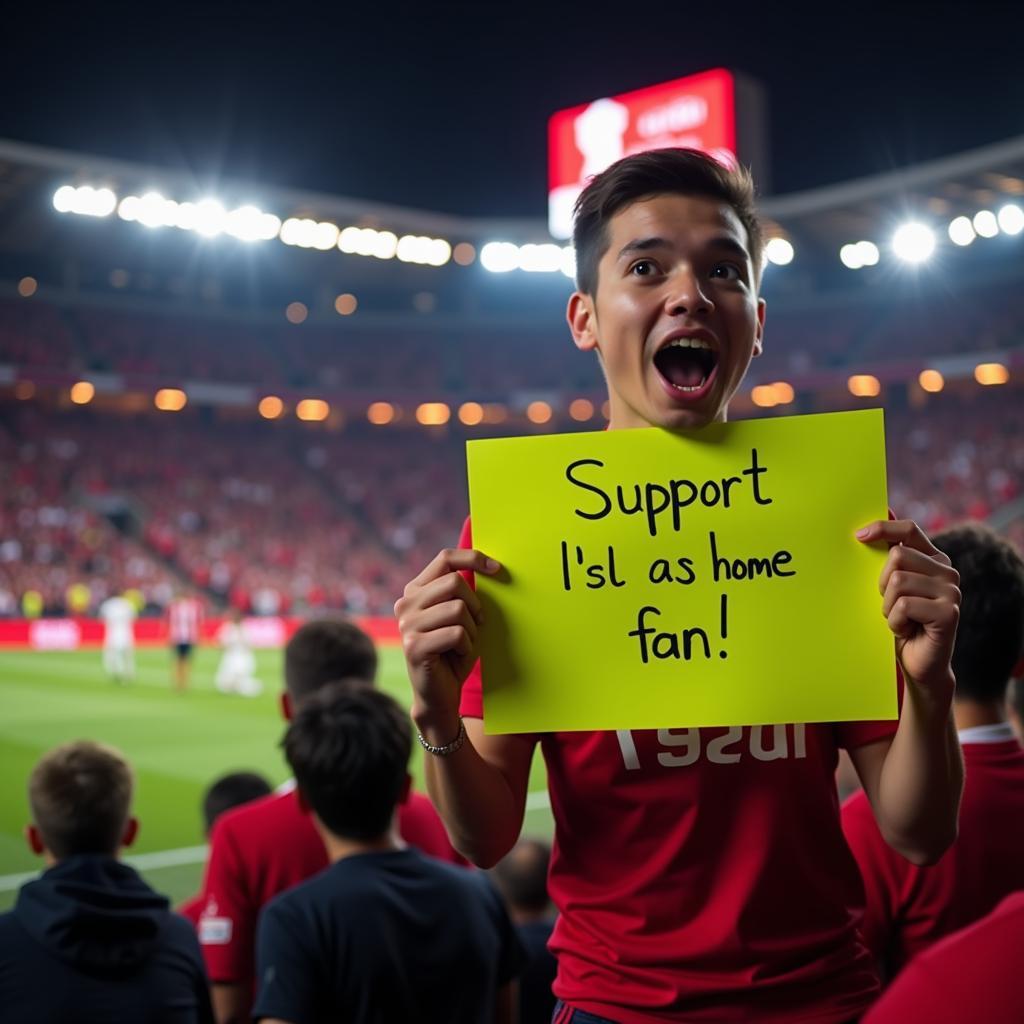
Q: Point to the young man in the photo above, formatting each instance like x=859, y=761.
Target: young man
x=385, y=934
x=266, y=847
x=522, y=880
x=909, y=907
x=694, y=880
x=184, y=622
x=89, y=940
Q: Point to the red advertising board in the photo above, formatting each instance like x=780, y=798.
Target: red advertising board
x=698, y=112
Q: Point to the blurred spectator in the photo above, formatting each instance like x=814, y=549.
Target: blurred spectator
x=231, y=790
x=970, y=976
x=385, y=933
x=89, y=940
x=910, y=907
x=522, y=879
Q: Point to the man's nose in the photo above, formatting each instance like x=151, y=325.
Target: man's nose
x=685, y=294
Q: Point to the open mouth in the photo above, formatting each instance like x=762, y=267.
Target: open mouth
x=686, y=364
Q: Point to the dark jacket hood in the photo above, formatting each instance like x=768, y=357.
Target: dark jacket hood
x=95, y=913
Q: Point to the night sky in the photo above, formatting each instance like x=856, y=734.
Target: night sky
x=445, y=107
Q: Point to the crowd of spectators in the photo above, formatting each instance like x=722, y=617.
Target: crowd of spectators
x=273, y=518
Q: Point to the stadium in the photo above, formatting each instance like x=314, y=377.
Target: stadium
x=260, y=397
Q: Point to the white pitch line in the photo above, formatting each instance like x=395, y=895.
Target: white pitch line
x=143, y=862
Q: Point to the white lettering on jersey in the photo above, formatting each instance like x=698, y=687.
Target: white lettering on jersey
x=215, y=931
x=683, y=747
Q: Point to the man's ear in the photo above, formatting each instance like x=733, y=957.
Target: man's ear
x=403, y=795
x=287, y=711
x=34, y=839
x=759, y=336
x=582, y=319
x=131, y=830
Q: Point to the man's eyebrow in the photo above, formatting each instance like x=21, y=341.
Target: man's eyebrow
x=730, y=244
x=642, y=245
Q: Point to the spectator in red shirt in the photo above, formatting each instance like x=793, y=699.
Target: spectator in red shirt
x=700, y=874
x=268, y=846
x=971, y=975
x=909, y=907
x=229, y=791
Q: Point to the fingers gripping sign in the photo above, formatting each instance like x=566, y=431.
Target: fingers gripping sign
x=920, y=600
x=439, y=617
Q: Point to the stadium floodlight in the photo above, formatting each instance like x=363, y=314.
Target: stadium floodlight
x=250, y=224
x=913, y=242
x=868, y=253
x=779, y=251
x=499, y=257
x=1011, y=219
x=82, y=392
x=381, y=413
x=784, y=393
x=312, y=410
x=270, y=407
x=931, y=381
x=545, y=258
x=433, y=414
x=471, y=413
x=538, y=412
x=85, y=200
x=961, y=231
x=170, y=399
x=763, y=395
x=346, y=304
x=581, y=409
x=464, y=254
x=850, y=256
x=991, y=373
x=985, y=224
x=864, y=385
x=154, y=211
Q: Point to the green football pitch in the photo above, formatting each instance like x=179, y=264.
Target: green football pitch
x=177, y=743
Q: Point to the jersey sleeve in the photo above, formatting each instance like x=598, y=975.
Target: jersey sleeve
x=227, y=923
x=472, y=702
x=286, y=971
x=880, y=871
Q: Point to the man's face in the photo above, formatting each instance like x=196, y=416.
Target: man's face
x=675, y=318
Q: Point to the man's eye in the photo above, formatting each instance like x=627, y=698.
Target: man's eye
x=726, y=272
x=644, y=268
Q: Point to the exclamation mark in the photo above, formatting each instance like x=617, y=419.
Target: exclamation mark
x=725, y=623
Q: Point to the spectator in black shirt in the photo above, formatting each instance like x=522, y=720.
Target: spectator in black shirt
x=522, y=878
x=385, y=934
x=89, y=940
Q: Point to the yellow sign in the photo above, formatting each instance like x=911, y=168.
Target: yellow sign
x=659, y=580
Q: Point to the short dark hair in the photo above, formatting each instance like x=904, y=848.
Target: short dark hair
x=349, y=747
x=522, y=875
x=80, y=795
x=324, y=650
x=990, y=633
x=687, y=172
x=232, y=790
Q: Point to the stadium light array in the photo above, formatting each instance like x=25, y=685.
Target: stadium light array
x=381, y=413
x=779, y=251
x=538, y=412
x=914, y=242
x=433, y=252
x=433, y=414
x=931, y=381
x=542, y=258
x=85, y=200
x=471, y=413
x=170, y=399
x=985, y=224
x=270, y=407
x=312, y=410
x=581, y=409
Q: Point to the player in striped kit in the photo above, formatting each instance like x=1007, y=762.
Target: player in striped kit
x=184, y=619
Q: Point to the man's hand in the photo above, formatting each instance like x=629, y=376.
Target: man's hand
x=921, y=601
x=439, y=618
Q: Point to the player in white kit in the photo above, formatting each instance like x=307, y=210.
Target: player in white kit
x=118, y=615
x=237, y=668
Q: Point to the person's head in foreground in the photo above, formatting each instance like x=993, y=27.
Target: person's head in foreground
x=522, y=879
x=232, y=790
x=349, y=747
x=80, y=797
x=990, y=633
x=321, y=652
x=668, y=267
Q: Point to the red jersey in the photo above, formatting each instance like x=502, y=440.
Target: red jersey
x=184, y=617
x=701, y=874
x=972, y=975
x=265, y=847
x=908, y=907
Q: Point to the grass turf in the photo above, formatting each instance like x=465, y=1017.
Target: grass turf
x=177, y=743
